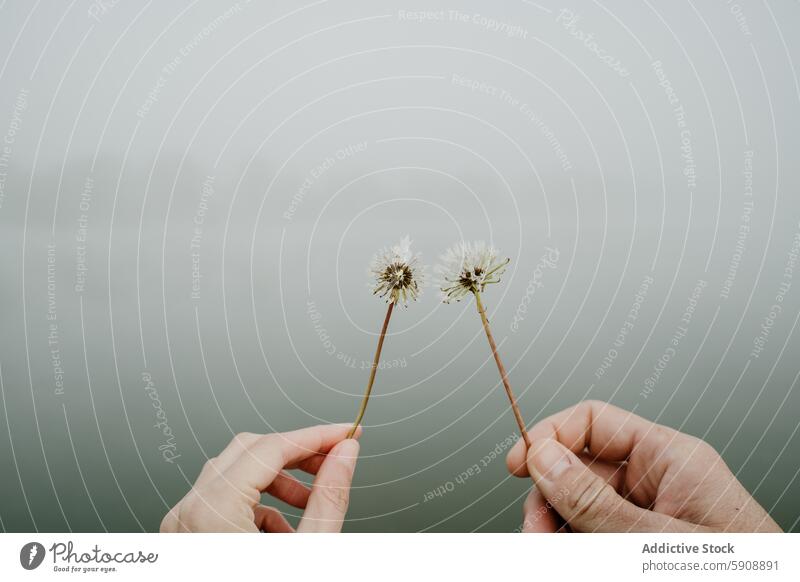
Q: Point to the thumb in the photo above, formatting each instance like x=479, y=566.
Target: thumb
x=584, y=499
x=330, y=495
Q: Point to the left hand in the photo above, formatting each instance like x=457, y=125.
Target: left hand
x=227, y=495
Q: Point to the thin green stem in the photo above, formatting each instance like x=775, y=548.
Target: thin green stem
x=502, y=369
x=372, y=372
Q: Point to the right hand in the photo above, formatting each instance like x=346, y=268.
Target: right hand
x=599, y=468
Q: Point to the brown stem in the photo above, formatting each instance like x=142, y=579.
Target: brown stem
x=372, y=372
x=502, y=369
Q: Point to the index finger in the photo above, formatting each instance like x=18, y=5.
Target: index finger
x=606, y=431
x=260, y=463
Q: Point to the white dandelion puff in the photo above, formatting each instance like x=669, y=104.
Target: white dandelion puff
x=468, y=267
x=397, y=274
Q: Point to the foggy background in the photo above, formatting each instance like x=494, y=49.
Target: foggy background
x=191, y=193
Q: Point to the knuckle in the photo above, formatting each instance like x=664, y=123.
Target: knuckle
x=262, y=439
x=700, y=450
x=197, y=510
x=706, y=449
x=169, y=521
x=209, y=467
x=662, y=439
x=589, y=407
x=189, y=514
x=663, y=434
x=244, y=437
x=337, y=497
x=589, y=499
x=188, y=505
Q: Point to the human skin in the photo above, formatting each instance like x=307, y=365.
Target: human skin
x=599, y=468
x=227, y=495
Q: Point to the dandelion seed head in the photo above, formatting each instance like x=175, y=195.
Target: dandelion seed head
x=397, y=275
x=467, y=267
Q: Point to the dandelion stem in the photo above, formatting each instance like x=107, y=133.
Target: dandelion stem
x=502, y=369
x=372, y=372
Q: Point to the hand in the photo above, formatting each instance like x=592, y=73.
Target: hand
x=227, y=494
x=599, y=468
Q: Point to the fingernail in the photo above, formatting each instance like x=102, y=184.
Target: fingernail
x=550, y=459
x=346, y=451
